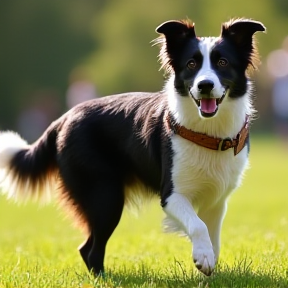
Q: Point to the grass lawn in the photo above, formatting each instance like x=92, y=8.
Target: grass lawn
x=38, y=246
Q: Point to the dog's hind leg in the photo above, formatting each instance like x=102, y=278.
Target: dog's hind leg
x=85, y=249
x=103, y=215
x=93, y=187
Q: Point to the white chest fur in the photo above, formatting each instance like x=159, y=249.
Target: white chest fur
x=205, y=176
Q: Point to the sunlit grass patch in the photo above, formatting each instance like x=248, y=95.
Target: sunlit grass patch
x=38, y=247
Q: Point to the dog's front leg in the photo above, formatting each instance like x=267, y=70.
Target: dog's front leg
x=213, y=218
x=180, y=209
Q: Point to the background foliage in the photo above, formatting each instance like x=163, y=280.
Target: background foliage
x=44, y=42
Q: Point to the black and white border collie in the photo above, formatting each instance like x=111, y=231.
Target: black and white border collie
x=103, y=153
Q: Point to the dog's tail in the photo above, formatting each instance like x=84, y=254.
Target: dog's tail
x=28, y=171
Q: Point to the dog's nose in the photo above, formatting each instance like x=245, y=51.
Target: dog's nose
x=205, y=86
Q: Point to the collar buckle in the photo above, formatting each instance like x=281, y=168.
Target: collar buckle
x=226, y=144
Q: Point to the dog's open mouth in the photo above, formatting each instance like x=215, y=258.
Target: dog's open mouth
x=208, y=107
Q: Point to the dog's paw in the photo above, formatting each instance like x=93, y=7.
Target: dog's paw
x=204, y=258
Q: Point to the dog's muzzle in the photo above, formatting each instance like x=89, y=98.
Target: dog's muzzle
x=206, y=101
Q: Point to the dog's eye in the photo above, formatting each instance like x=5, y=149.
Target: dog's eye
x=222, y=62
x=191, y=64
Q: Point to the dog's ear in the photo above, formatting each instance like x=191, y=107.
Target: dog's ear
x=177, y=30
x=241, y=31
x=174, y=36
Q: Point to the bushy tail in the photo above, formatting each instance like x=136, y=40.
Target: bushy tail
x=28, y=171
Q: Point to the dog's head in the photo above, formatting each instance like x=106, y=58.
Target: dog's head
x=209, y=68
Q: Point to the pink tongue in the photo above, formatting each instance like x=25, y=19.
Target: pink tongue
x=208, y=105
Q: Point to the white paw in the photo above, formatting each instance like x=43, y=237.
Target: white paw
x=204, y=258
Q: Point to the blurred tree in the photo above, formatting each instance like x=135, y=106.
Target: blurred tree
x=282, y=7
x=41, y=41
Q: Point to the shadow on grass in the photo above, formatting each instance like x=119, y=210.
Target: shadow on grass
x=239, y=276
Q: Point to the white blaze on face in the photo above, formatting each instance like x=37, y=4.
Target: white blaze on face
x=207, y=103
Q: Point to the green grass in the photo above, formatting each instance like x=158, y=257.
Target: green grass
x=38, y=246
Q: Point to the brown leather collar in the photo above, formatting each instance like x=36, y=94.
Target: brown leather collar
x=209, y=142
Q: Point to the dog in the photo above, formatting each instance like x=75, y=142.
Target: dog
x=188, y=143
